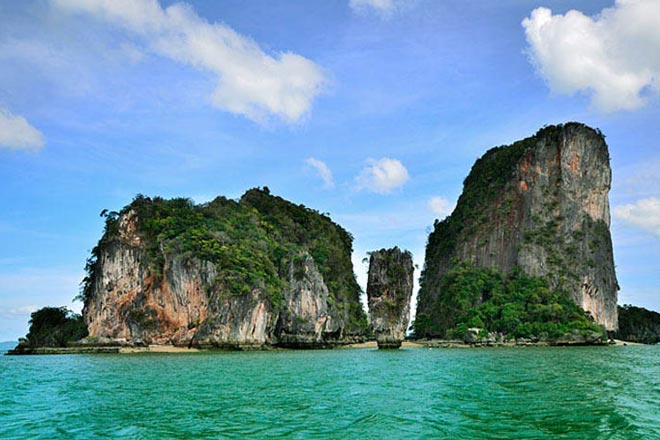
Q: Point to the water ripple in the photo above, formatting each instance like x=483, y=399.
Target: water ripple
x=552, y=393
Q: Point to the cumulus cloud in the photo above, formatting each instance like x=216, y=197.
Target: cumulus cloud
x=382, y=175
x=323, y=171
x=643, y=214
x=249, y=81
x=17, y=134
x=613, y=56
x=440, y=206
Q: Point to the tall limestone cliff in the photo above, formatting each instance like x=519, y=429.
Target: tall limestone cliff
x=229, y=274
x=540, y=205
x=389, y=289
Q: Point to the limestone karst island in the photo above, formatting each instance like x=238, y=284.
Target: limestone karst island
x=524, y=258
x=330, y=220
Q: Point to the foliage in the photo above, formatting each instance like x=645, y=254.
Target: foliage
x=516, y=305
x=55, y=327
x=638, y=324
x=251, y=242
x=422, y=325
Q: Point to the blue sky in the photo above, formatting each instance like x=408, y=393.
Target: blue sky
x=372, y=110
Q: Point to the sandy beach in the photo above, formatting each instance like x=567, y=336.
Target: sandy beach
x=158, y=349
x=373, y=344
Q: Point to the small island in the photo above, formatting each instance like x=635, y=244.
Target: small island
x=389, y=290
x=527, y=252
x=524, y=259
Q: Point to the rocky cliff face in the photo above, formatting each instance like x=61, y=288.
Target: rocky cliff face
x=306, y=320
x=389, y=289
x=540, y=204
x=247, y=274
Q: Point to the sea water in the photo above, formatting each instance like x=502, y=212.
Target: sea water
x=521, y=393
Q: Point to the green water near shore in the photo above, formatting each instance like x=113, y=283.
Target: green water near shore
x=539, y=393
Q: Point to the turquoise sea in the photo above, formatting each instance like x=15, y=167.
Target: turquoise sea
x=499, y=393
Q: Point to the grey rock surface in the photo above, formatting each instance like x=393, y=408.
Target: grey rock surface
x=389, y=290
x=542, y=205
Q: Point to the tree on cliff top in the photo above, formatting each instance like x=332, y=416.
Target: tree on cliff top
x=55, y=327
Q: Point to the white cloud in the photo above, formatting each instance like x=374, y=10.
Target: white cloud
x=382, y=175
x=250, y=82
x=384, y=7
x=614, y=56
x=440, y=206
x=16, y=133
x=132, y=52
x=323, y=171
x=643, y=214
x=22, y=310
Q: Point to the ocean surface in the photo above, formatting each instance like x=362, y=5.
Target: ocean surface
x=498, y=393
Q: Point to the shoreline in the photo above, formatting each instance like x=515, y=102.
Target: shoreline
x=159, y=349
x=621, y=343
x=374, y=344
x=407, y=344
x=420, y=344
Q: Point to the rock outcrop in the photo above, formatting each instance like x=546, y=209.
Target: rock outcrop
x=305, y=320
x=245, y=274
x=51, y=329
x=389, y=290
x=637, y=324
x=540, y=205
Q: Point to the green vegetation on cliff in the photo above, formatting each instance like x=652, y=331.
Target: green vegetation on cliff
x=250, y=241
x=486, y=182
x=55, y=327
x=486, y=185
x=637, y=324
x=536, y=207
x=514, y=305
